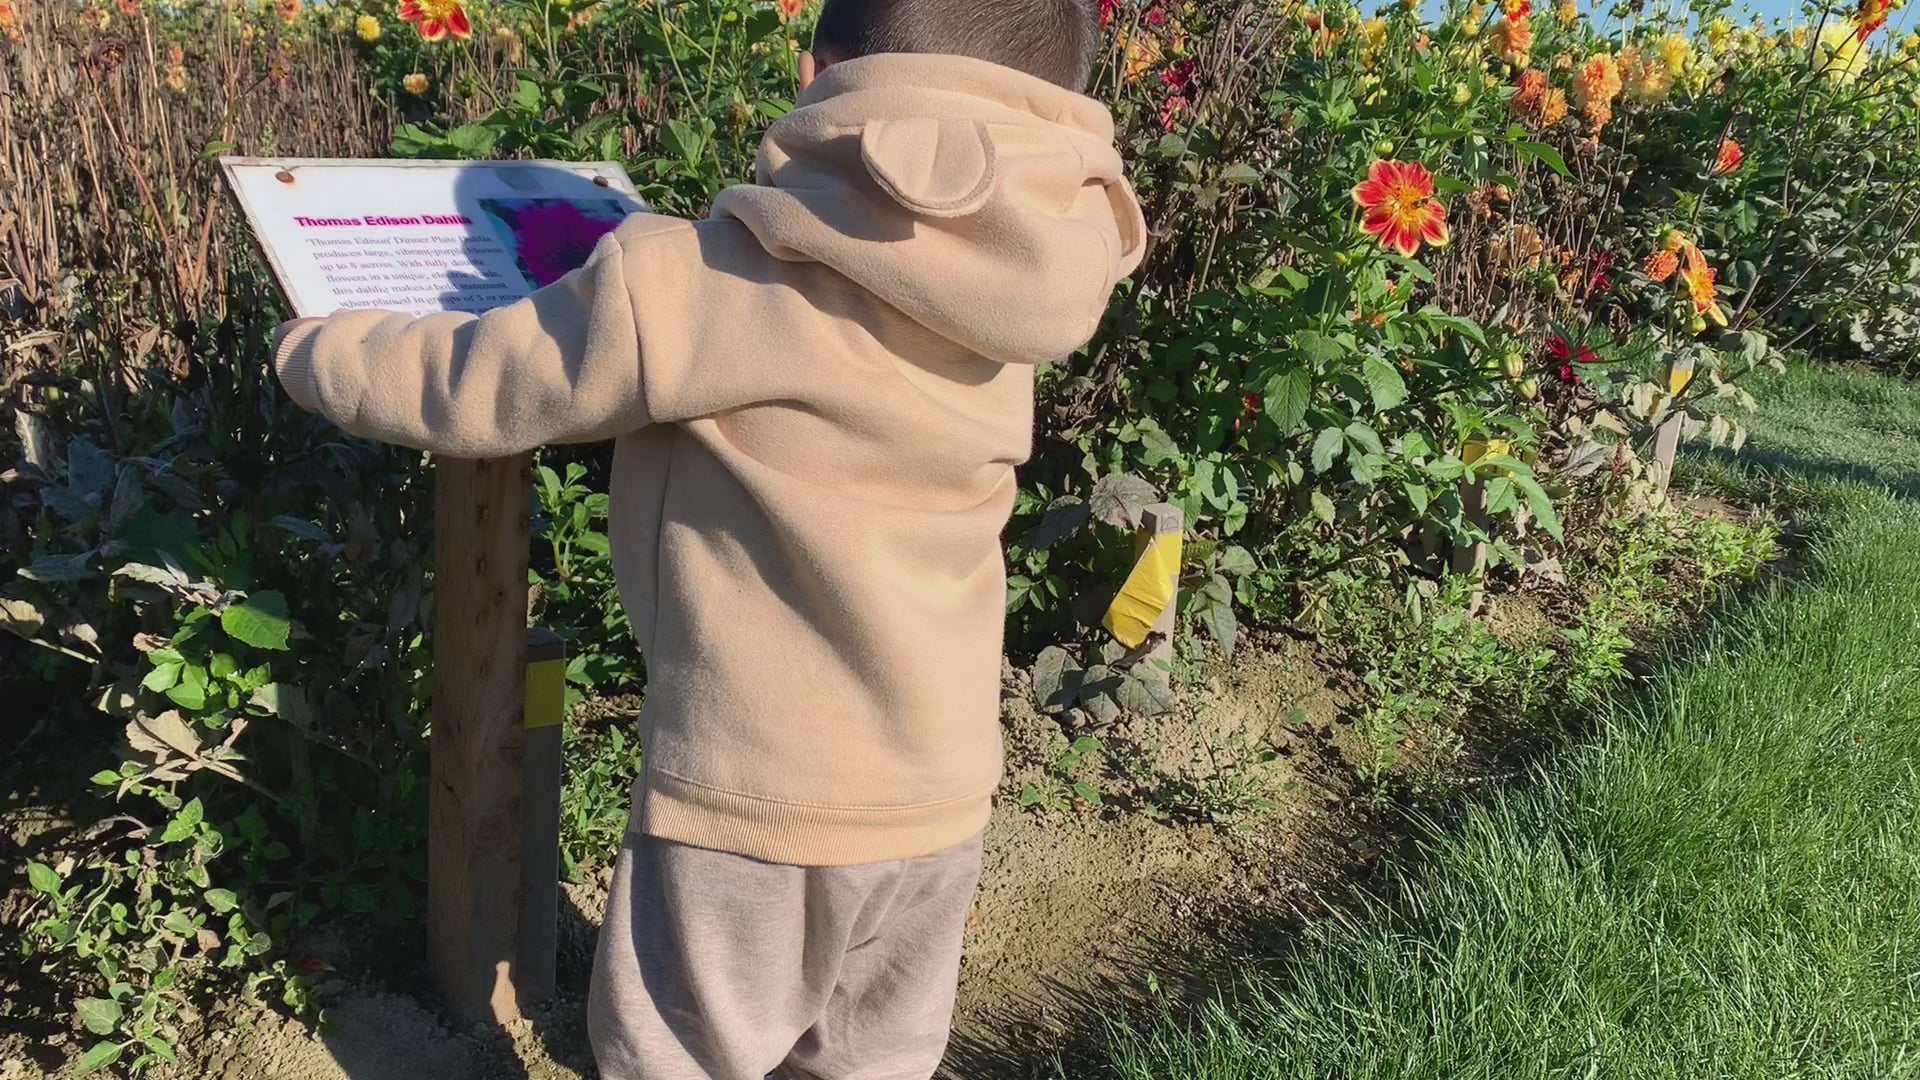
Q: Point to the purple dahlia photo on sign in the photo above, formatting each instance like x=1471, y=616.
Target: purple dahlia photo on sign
x=551, y=237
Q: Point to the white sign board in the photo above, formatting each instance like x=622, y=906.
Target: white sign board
x=424, y=236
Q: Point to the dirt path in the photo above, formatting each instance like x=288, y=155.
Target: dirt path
x=1078, y=909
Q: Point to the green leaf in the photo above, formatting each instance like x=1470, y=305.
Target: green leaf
x=99, y=1057
x=1466, y=328
x=1286, y=399
x=1156, y=446
x=1544, y=154
x=1240, y=173
x=1417, y=496
x=1217, y=613
x=1542, y=507
x=1327, y=447
x=160, y=1047
x=1145, y=690
x=43, y=878
x=1318, y=348
x=1322, y=507
x=57, y=568
x=1065, y=516
x=475, y=140
x=261, y=621
x=99, y=1015
x=185, y=823
x=189, y=695
x=162, y=678
x=1087, y=792
x=1019, y=589
x=222, y=900
x=89, y=468
x=683, y=140
x=1118, y=498
x=1236, y=561
x=549, y=485
x=1384, y=383
x=1501, y=496
x=1056, y=680
x=1365, y=438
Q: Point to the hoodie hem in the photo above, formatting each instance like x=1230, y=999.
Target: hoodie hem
x=684, y=811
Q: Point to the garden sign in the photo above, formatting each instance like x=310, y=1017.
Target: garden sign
x=422, y=237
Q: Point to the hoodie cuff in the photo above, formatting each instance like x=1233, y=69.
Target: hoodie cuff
x=294, y=360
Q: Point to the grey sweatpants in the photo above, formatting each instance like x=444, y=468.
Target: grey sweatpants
x=719, y=967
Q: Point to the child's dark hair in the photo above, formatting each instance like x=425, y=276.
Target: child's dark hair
x=1049, y=39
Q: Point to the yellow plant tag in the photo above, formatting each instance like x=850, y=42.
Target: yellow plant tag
x=1475, y=450
x=546, y=693
x=1147, y=591
x=1678, y=378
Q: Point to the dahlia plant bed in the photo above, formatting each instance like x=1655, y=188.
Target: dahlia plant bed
x=1419, y=285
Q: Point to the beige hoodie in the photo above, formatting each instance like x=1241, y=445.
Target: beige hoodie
x=819, y=396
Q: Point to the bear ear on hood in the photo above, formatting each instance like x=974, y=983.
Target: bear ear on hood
x=940, y=168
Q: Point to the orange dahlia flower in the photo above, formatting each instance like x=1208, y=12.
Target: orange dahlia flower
x=1597, y=80
x=1512, y=41
x=1533, y=90
x=437, y=18
x=1397, y=197
x=1661, y=264
x=1538, y=103
x=1729, y=157
x=1595, y=84
x=1555, y=108
x=1699, y=280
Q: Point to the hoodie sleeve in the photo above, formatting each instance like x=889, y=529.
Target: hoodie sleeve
x=561, y=365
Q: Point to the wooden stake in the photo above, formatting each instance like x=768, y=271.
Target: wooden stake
x=475, y=801
x=546, y=707
x=1472, y=558
x=1666, y=447
x=1157, y=520
x=1674, y=378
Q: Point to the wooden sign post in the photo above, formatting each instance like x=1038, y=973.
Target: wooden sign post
x=418, y=237
x=493, y=833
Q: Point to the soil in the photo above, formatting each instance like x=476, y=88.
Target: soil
x=1079, y=911
x=1220, y=829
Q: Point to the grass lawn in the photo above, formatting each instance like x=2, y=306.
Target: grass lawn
x=1725, y=884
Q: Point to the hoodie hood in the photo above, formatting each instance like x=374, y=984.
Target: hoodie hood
x=985, y=204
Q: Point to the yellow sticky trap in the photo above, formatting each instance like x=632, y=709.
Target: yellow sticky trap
x=546, y=693
x=1474, y=450
x=1677, y=379
x=1147, y=591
